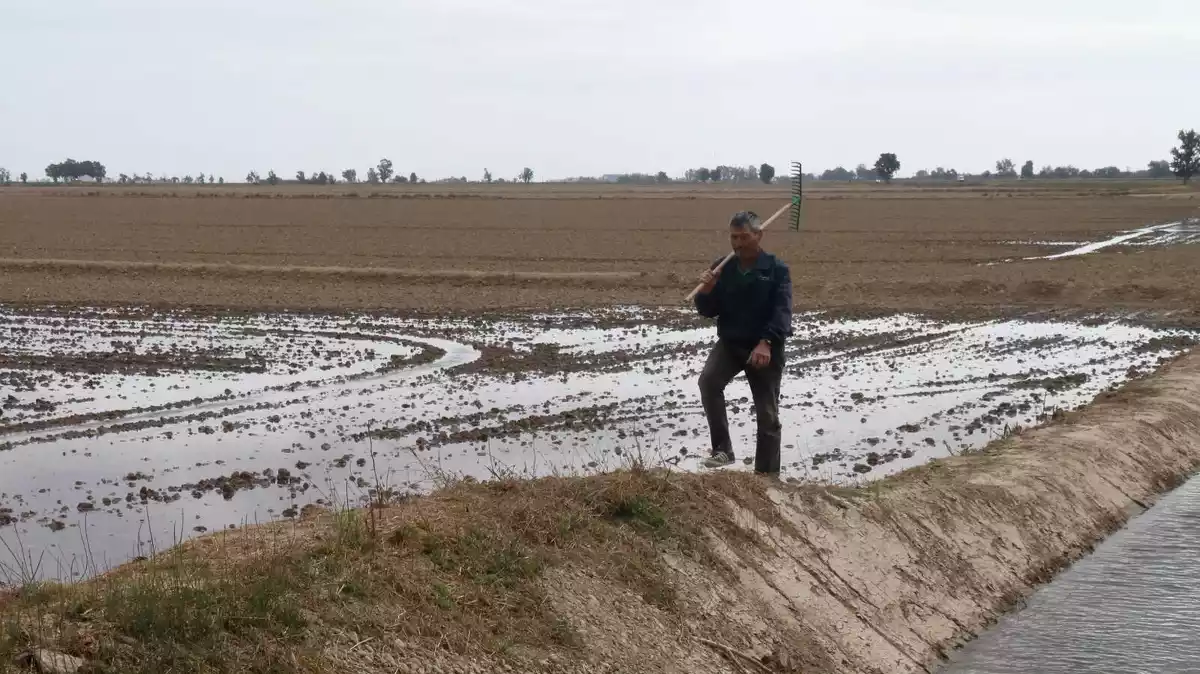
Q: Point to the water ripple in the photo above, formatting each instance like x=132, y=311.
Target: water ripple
x=1131, y=606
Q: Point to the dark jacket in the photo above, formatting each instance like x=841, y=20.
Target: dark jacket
x=753, y=306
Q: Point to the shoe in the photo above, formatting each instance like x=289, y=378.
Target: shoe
x=718, y=459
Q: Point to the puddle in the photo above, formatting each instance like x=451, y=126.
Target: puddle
x=1130, y=606
x=138, y=429
x=1169, y=234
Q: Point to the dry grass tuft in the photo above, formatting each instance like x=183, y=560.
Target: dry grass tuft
x=454, y=572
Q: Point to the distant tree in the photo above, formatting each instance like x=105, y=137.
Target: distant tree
x=211, y=179
x=921, y=175
x=487, y=176
x=766, y=173
x=252, y=178
x=121, y=179
x=321, y=178
x=300, y=177
x=272, y=179
x=863, y=173
x=74, y=170
x=5, y=176
x=1107, y=172
x=220, y=181
x=350, y=175
x=412, y=177
x=1059, y=172
x=703, y=174
x=1159, y=169
x=1185, y=159
x=716, y=174
x=385, y=170
x=372, y=176
x=526, y=175
x=886, y=166
x=839, y=173
x=662, y=178
x=24, y=177
x=1006, y=169
x=200, y=179
x=752, y=173
x=399, y=179
x=734, y=173
x=1027, y=169
x=188, y=180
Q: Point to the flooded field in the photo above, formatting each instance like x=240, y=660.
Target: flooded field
x=1166, y=234
x=123, y=431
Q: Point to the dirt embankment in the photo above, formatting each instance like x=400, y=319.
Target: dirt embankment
x=641, y=571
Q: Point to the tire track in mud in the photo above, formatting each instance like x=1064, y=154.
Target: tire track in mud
x=230, y=269
x=446, y=355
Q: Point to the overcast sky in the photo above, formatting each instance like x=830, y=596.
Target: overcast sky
x=583, y=87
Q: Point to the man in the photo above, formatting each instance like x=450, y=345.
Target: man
x=751, y=298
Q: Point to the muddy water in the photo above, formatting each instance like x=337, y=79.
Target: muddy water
x=1132, y=606
x=122, y=432
x=1167, y=234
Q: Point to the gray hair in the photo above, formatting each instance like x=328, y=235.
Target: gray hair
x=747, y=219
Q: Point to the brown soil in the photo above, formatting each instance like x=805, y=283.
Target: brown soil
x=108, y=362
x=437, y=249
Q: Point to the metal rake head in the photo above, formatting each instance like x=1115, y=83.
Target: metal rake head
x=797, y=194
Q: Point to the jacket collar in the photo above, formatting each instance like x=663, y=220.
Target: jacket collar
x=764, y=262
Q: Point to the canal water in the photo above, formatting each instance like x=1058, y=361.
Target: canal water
x=1132, y=606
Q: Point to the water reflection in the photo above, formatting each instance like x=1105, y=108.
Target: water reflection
x=1131, y=606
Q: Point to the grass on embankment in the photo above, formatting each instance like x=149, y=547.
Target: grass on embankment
x=456, y=571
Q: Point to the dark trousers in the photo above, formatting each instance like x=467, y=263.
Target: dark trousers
x=725, y=361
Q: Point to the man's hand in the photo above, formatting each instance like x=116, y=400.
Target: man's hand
x=761, y=355
x=709, y=281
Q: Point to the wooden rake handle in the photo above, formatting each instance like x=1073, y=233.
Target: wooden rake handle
x=717, y=270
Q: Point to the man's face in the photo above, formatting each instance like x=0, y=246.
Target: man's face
x=745, y=242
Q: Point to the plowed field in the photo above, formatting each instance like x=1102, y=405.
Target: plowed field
x=510, y=247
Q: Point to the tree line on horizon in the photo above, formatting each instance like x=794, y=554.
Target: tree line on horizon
x=1005, y=168
x=1184, y=164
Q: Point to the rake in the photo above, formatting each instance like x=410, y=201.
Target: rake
x=794, y=225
